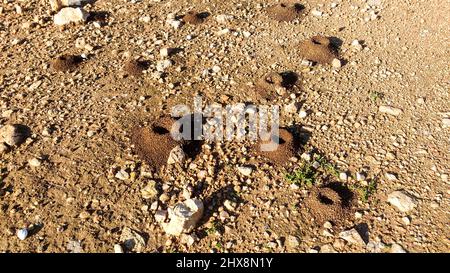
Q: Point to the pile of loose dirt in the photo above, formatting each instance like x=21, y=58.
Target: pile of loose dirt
x=135, y=67
x=279, y=148
x=274, y=83
x=66, y=63
x=194, y=18
x=284, y=12
x=154, y=143
x=331, y=203
x=318, y=49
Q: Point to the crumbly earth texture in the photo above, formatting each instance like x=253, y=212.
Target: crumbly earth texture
x=76, y=182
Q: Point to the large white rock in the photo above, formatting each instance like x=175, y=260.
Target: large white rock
x=352, y=236
x=70, y=15
x=183, y=217
x=14, y=134
x=245, y=170
x=132, y=240
x=177, y=155
x=396, y=248
x=403, y=201
x=390, y=110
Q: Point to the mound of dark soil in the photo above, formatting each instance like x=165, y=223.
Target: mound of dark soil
x=284, y=12
x=194, y=18
x=266, y=87
x=318, y=49
x=154, y=143
x=135, y=67
x=279, y=148
x=330, y=203
x=66, y=63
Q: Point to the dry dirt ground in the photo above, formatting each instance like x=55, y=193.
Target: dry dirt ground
x=76, y=182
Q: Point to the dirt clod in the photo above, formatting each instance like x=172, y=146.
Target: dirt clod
x=329, y=204
x=154, y=143
x=66, y=63
x=274, y=83
x=284, y=12
x=318, y=49
x=279, y=148
x=135, y=67
x=193, y=18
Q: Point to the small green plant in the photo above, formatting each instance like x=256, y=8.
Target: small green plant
x=306, y=175
x=374, y=96
x=327, y=166
x=215, y=227
x=219, y=245
x=368, y=190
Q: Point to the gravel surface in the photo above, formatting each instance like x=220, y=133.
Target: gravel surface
x=372, y=119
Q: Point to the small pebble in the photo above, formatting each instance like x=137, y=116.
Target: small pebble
x=118, y=248
x=22, y=233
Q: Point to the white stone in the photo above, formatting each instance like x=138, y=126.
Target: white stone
x=122, y=175
x=223, y=31
x=224, y=18
x=292, y=241
x=154, y=206
x=80, y=43
x=360, y=176
x=356, y=45
x=132, y=240
x=376, y=247
x=34, y=162
x=306, y=63
x=216, y=69
x=327, y=225
x=118, y=248
x=352, y=236
x=245, y=170
x=374, y=2
x=291, y=108
x=228, y=205
x=160, y=216
x=306, y=157
x=446, y=123
x=174, y=23
x=303, y=114
x=403, y=201
x=396, y=248
x=316, y=13
x=13, y=134
x=406, y=220
x=336, y=63
x=188, y=239
x=246, y=34
x=177, y=156
x=22, y=234
x=3, y=148
x=70, y=15
x=183, y=217
x=149, y=191
x=391, y=176
x=164, y=52
x=343, y=176
x=163, y=65
x=390, y=110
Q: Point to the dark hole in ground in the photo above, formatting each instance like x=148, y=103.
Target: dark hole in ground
x=325, y=200
x=160, y=130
